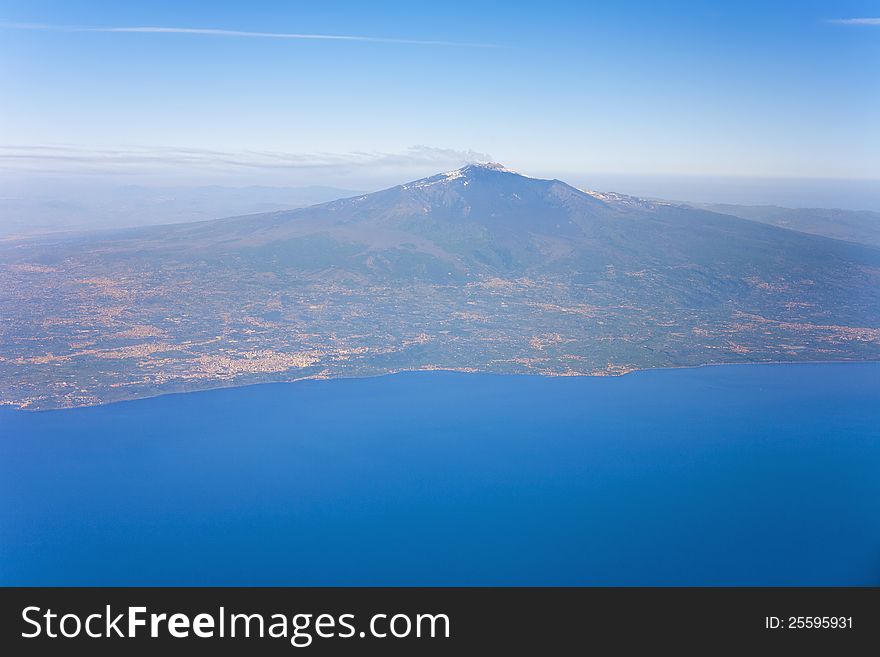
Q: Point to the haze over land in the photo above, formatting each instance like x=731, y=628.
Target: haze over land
x=476, y=269
x=59, y=205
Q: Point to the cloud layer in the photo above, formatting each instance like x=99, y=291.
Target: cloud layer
x=72, y=159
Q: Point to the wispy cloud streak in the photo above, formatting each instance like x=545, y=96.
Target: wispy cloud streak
x=201, y=31
x=856, y=21
x=71, y=159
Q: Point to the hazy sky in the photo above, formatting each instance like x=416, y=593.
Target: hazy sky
x=229, y=92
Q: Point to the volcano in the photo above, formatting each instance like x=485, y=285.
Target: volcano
x=477, y=269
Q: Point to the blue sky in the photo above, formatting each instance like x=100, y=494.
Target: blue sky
x=666, y=88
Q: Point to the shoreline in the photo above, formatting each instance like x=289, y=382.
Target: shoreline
x=17, y=408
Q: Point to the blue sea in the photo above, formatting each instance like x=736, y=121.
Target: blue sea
x=733, y=475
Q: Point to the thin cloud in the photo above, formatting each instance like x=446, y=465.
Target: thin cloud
x=856, y=21
x=71, y=159
x=200, y=31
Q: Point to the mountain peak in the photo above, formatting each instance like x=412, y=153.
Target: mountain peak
x=491, y=166
x=465, y=174
x=476, y=168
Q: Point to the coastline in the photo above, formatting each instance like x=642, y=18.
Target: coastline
x=12, y=406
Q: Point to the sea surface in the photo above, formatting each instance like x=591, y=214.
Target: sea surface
x=732, y=475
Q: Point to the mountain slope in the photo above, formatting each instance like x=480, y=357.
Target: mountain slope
x=476, y=269
x=861, y=226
